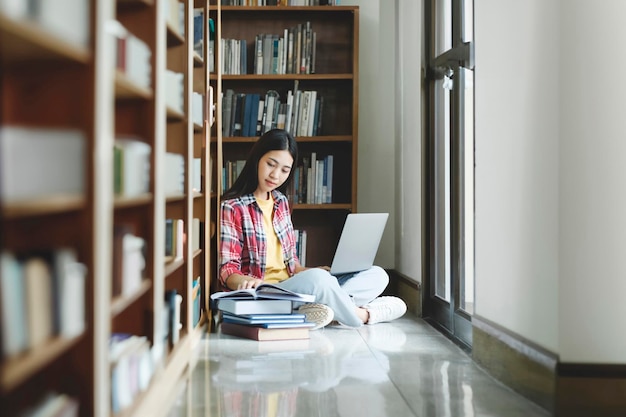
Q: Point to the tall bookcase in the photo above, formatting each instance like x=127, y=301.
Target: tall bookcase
x=334, y=77
x=84, y=81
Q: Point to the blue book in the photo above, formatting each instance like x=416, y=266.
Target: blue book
x=13, y=309
x=286, y=319
x=254, y=114
x=286, y=325
x=269, y=316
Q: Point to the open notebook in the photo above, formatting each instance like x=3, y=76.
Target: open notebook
x=359, y=242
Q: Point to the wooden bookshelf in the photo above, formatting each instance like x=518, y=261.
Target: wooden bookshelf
x=51, y=84
x=335, y=79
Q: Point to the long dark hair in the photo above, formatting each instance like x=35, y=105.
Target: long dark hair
x=248, y=181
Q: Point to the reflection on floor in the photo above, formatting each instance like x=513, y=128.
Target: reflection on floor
x=400, y=369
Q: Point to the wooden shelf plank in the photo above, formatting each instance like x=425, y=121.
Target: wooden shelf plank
x=286, y=77
x=175, y=198
x=174, y=115
x=119, y=304
x=126, y=88
x=197, y=60
x=15, y=371
x=43, y=206
x=287, y=9
x=251, y=139
x=322, y=207
x=27, y=41
x=172, y=265
x=173, y=37
x=140, y=200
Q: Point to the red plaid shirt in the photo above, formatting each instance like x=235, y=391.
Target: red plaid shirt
x=243, y=241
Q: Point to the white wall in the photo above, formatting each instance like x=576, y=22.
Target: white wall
x=517, y=159
x=409, y=138
x=592, y=182
x=376, y=161
x=550, y=163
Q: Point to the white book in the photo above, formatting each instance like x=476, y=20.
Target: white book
x=289, y=112
x=197, y=108
x=312, y=100
x=196, y=173
x=179, y=228
x=319, y=181
x=39, y=305
x=134, y=166
x=68, y=19
x=69, y=279
x=174, y=174
x=303, y=258
x=133, y=263
x=195, y=234
x=303, y=123
x=40, y=163
x=15, y=9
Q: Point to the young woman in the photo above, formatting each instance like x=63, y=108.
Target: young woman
x=258, y=244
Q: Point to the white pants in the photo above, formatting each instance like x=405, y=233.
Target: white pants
x=344, y=293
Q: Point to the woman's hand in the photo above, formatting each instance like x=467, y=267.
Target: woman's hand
x=240, y=282
x=249, y=282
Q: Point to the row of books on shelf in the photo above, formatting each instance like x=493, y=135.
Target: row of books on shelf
x=291, y=52
x=280, y=2
x=42, y=295
x=66, y=19
x=251, y=114
x=312, y=181
x=131, y=166
x=41, y=163
x=132, y=367
x=176, y=237
x=131, y=169
x=134, y=361
x=132, y=55
x=262, y=313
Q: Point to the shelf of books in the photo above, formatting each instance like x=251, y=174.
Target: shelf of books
x=296, y=68
x=47, y=268
x=103, y=171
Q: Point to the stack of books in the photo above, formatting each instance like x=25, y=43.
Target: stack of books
x=262, y=313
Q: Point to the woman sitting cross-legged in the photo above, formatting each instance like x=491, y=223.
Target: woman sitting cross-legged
x=258, y=244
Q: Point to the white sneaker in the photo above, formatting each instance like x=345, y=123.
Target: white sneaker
x=385, y=309
x=319, y=314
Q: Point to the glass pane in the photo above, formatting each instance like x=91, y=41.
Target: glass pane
x=467, y=287
x=442, y=11
x=442, y=190
x=468, y=21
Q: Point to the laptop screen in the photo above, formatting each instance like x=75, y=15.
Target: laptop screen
x=359, y=242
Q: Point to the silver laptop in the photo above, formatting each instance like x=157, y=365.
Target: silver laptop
x=359, y=242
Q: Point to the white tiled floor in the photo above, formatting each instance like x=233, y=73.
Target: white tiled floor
x=399, y=369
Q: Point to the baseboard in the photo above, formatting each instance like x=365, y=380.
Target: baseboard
x=409, y=290
x=591, y=390
x=518, y=363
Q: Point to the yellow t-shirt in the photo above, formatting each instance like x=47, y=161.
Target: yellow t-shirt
x=275, y=268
